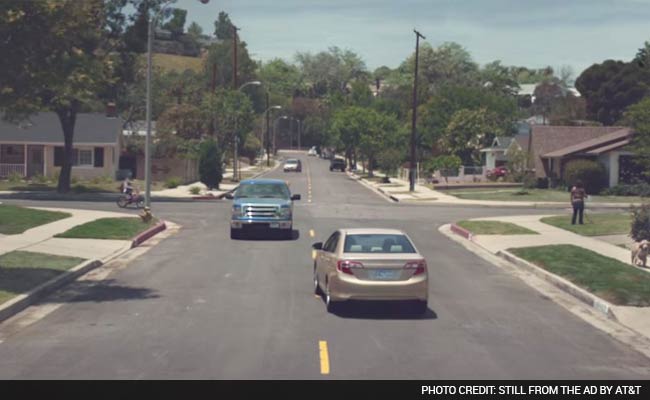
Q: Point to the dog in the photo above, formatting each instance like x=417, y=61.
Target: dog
x=640, y=253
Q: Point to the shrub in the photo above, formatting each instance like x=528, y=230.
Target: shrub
x=15, y=177
x=173, y=182
x=592, y=174
x=640, y=229
x=210, y=171
x=639, y=189
x=195, y=190
x=40, y=179
x=529, y=181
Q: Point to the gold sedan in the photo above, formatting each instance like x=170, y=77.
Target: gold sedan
x=370, y=264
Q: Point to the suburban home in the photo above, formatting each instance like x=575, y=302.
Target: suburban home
x=554, y=146
x=551, y=147
x=35, y=147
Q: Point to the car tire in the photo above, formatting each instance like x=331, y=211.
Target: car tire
x=331, y=306
x=317, y=290
x=420, y=307
x=235, y=234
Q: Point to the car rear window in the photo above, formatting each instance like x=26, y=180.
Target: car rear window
x=377, y=243
x=291, y=162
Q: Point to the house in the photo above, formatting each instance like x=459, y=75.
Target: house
x=495, y=156
x=553, y=146
x=35, y=147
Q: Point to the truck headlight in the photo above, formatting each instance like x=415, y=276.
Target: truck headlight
x=284, y=212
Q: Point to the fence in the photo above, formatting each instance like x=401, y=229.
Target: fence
x=9, y=169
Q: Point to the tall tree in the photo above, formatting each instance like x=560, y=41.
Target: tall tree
x=223, y=27
x=638, y=117
x=330, y=72
x=176, y=25
x=281, y=77
x=609, y=88
x=57, y=56
x=468, y=131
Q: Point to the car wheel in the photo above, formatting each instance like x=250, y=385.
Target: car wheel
x=332, y=306
x=235, y=234
x=317, y=290
x=420, y=307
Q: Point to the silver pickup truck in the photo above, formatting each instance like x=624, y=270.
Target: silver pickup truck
x=262, y=203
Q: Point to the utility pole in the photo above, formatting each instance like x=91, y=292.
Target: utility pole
x=412, y=169
x=299, y=133
x=235, y=170
x=268, y=138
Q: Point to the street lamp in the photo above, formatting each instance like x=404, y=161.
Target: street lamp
x=235, y=170
x=147, y=149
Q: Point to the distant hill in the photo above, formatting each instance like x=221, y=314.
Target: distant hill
x=172, y=62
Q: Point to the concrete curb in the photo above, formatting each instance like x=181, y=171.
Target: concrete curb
x=581, y=294
x=390, y=199
x=20, y=302
x=557, y=281
x=142, y=237
x=461, y=231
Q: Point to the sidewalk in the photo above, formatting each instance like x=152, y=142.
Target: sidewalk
x=636, y=318
x=398, y=191
x=40, y=239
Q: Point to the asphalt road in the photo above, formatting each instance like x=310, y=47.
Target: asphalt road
x=202, y=306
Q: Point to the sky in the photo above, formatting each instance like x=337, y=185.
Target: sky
x=531, y=33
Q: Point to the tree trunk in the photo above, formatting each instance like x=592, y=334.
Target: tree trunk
x=68, y=118
x=371, y=164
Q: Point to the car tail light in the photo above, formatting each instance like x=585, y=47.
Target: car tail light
x=419, y=266
x=346, y=266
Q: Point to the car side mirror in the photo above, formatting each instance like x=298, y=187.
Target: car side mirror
x=317, y=246
x=229, y=196
x=295, y=197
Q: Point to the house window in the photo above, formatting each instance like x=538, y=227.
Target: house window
x=83, y=158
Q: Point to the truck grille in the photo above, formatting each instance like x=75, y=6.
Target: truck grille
x=254, y=210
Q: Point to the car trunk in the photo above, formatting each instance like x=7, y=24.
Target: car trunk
x=383, y=267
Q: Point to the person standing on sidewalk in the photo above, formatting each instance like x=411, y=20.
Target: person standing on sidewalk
x=578, y=195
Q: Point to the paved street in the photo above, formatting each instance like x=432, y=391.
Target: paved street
x=200, y=305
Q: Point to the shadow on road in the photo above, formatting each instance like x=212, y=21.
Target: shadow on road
x=22, y=280
x=381, y=310
x=82, y=291
x=262, y=235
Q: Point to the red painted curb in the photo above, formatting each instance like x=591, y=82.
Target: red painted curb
x=159, y=227
x=461, y=231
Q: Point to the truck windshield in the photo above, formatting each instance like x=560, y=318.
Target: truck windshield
x=265, y=190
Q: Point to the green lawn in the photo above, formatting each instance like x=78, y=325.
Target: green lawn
x=594, y=224
x=83, y=186
x=15, y=220
x=494, y=228
x=22, y=271
x=610, y=279
x=108, y=228
x=536, y=195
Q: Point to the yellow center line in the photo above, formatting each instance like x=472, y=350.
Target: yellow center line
x=324, y=358
x=311, y=233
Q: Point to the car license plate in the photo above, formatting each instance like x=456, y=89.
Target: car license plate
x=274, y=225
x=384, y=274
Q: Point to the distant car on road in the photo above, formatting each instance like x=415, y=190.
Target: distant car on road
x=312, y=152
x=337, y=163
x=370, y=264
x=262, y=203
x=292, y=165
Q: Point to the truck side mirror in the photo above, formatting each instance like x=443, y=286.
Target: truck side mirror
x=229, y=196
x=295, y=197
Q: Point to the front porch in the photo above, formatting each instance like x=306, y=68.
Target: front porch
x=23, y=160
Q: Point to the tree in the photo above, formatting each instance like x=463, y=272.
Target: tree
x=378, y=133
x=361, y=94
x=195, y=30
x=176, y=24
x=609, y=88
x=517, y=163
x=546, y=95
x=331, y=71
x=468, y=131
x=57, y=56
x=183, y=120
x=223, y=27
x=448, y=165
x=231, y=113
x=638, y=117
x=281, y=77
x=389, y=160
x=220, y=54
x=210, y=164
